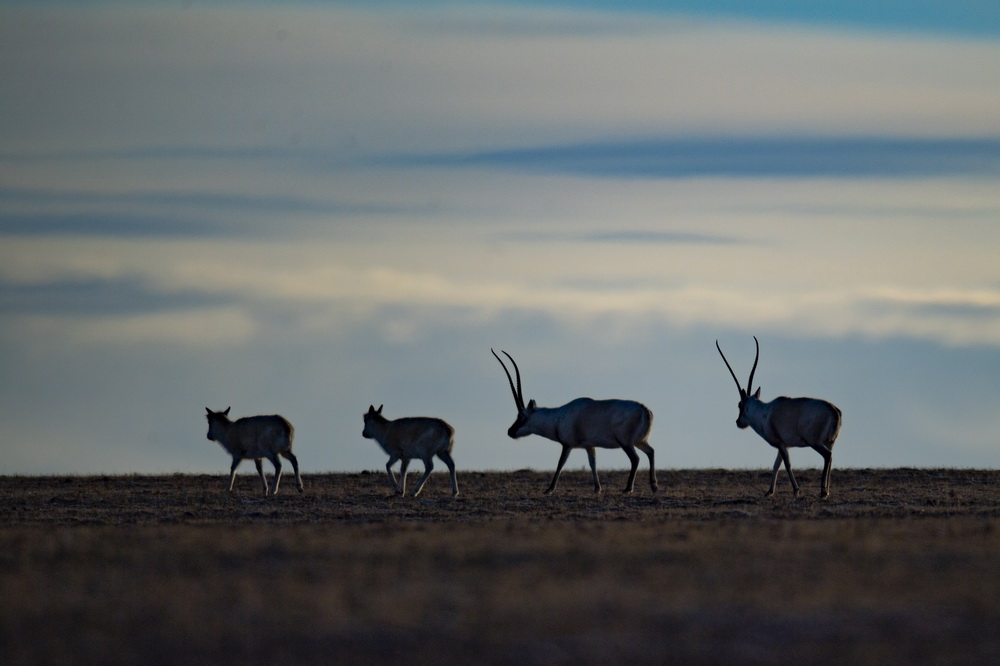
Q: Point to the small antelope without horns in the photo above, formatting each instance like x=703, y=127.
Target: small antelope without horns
x=255, y=437
x=585, y=424
x=788, y=422
x=408, y=438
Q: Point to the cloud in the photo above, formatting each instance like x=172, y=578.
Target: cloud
x=98, y=297
x=785, y=157
x=167, y=213
x=105, y=312
x=959, y=299
x=140, y=153
x=187, y=199
x=309, y=208
x=956, y=317
x=627, y=237
x=172, y=330
x=977, y=19
x=106, y=224
x=327, y=301
x=260, y=82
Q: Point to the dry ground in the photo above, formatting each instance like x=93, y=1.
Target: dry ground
x=898, y=566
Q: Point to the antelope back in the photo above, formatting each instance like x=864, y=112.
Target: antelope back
x=811, y=419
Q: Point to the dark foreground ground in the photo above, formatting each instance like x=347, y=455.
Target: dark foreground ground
x=898, y=566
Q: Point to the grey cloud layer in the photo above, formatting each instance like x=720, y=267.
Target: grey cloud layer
x=92, y=297
x=623, y=236
x=742, y=157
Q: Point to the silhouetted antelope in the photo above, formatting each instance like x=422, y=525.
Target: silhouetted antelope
x=411, y=437
x=255, y=437
x=788, y=422
x=585, y=424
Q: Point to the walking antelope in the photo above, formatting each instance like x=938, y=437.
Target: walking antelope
x=786, y=422
x=255, y=437
x=411, y=437
x=585, y=424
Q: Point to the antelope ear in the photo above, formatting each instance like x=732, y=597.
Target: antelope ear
x=531, y=405
x=756, y=393
x=379, y=410
x=371, y=409
x=226, y=413
x=208, y=411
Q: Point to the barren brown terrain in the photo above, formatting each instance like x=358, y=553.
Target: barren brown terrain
x=898, y=566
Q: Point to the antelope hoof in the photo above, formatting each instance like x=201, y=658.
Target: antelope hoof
x=769, y=493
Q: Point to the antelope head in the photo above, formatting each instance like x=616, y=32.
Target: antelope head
x=216, y=421
x=371, y=415
x=745, y=396
x=523, y=412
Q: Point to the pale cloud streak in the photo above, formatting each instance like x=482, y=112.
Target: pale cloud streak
x=783, y=281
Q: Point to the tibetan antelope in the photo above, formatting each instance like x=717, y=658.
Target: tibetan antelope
x=255, y=437
x=788, y=422
x=411, y=437
x=585, y=424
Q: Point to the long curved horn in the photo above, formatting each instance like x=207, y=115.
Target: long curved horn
x=754, y=368
x=728, y=366
x=518, y=397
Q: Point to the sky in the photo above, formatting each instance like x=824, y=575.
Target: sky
x=307, y=208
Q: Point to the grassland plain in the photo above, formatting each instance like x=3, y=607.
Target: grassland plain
x=898, y=566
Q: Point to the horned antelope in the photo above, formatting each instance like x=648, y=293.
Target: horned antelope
x=585, y=424
x=411, y=437
x=255, y=437
x=788, y=422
